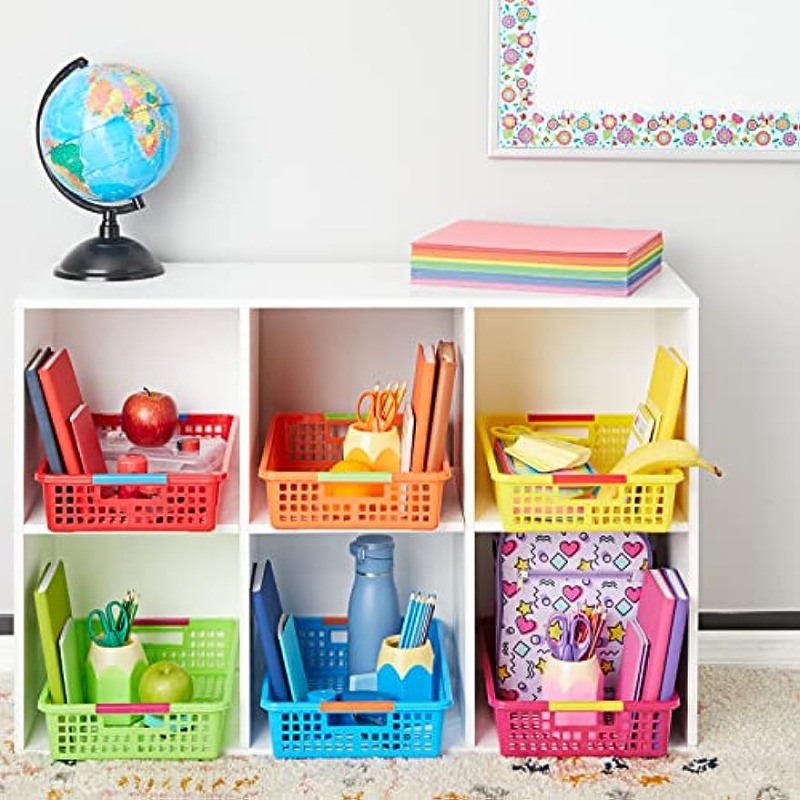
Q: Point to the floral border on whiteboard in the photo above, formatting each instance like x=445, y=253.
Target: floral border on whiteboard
x=521, y=127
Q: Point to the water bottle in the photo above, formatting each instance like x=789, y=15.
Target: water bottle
x=373, y=612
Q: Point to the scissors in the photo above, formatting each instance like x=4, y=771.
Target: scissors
x=381, y=409
x=114, y=625
x=510, y=433
x=574, y=637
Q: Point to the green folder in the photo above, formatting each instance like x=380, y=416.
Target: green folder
x=53, y=609
x=69, y=648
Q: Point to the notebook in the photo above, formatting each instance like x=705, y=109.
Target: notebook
x=63, y=396
x=69, y=651
x=422, y=403
x=447, y=364
x=635, y=650
x=665, y=392
x=676, y=631
x=86, y=440
x=654, y=614
x=292, y=658
x=267, y=610
x=53, y=609
x=40, y=412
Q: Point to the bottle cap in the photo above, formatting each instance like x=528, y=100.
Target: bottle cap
x=372, y=545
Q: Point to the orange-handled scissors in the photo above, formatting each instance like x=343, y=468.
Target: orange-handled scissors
x=380, y=410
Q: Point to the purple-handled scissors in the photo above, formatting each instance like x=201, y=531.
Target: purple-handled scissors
x=569, y=636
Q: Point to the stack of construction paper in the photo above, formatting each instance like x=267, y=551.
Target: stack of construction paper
x=503, y=255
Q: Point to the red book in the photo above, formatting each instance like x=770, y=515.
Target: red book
x=62, y=395
x=654, y=613
x=86, y=441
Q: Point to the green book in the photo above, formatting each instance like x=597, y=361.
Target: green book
x=53, y=609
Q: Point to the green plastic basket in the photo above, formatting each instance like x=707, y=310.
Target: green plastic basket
x=207, y=648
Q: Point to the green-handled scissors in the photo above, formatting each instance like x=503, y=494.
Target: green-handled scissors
x=115, y=625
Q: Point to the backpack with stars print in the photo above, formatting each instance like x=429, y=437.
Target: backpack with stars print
x=541, y=574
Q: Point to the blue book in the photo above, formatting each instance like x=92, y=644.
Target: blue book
x=39, y=405
x=679, y=616
x=267, y=611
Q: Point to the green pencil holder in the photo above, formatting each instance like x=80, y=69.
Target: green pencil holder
x=113, y=675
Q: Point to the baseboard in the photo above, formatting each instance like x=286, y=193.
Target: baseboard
x=750, y=648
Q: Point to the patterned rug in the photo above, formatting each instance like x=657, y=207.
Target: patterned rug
x=750, y=749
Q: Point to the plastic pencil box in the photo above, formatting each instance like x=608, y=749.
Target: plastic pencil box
x=301, y=493
x=567, y=502
x=349, y=729
x=207, y=649
x=166, y=501
x=531, y=728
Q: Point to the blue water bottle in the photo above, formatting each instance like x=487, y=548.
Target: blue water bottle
x=373, y=612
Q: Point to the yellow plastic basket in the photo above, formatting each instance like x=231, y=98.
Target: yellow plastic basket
x=566, y=502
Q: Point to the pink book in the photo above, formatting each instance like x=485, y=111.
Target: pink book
x=633, y=664
x=616, y=244
x=86, y=441
x=655, y=611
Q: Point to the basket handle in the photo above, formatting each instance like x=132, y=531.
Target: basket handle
x=129, y=478
x=585, y=705
x=588, y=479
x=354, y=477
x=131, y=708
x=161, y=622
x=356, y=706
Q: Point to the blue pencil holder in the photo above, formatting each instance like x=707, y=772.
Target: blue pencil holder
x=406, y=673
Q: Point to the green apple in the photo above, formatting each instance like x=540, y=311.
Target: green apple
x=166, y=682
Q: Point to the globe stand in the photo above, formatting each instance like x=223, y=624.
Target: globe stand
x=109, y=257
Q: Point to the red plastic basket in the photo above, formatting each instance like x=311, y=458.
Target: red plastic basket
x=301, y=493
x=529, y=728
x=173, y=501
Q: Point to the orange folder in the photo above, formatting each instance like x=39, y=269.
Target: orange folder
x=440, y=418
x=422, y=403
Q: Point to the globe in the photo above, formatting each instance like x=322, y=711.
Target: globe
x=106, y=133
x=109, y=132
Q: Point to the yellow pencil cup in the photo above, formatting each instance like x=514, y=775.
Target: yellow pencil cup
x=379, y=449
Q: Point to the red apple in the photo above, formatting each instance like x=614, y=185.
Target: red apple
x=149, y=418
x=166, y=682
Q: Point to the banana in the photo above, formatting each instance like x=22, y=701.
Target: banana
x=658, y=457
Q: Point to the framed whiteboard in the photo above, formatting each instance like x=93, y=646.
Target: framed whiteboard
x=685, y=78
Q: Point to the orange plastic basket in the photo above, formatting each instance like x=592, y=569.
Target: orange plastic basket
x=301, y=493
x=171, y=501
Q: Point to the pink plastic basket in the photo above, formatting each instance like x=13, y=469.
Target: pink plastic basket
x=528, y=728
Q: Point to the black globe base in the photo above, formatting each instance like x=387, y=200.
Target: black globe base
x=109, y=257
x=99, y=259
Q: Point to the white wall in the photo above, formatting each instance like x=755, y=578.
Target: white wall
x=339, y=131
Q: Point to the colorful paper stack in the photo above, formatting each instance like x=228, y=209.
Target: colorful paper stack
x=502, y=255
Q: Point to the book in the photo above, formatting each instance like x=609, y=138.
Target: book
x=63, y=396
x=267, y=611
x=677, y=631
x=550, y=243
x=53, y=609
x=72, y=660
x=87, y=441
x=42, y=415
x=642, y=429
x=447, y=364
x=422, y=403
x=292, y=658
x=633, y=664
x=407, y=438
x=665, y=392
x=654, y=614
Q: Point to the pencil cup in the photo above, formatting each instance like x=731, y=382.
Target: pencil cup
x=380, y=449
x=113, y=675
x=405, y=673
x=579, y=681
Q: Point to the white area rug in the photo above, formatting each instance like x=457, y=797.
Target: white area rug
x=750, y=749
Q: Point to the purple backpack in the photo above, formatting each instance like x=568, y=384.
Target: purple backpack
x=540, y=574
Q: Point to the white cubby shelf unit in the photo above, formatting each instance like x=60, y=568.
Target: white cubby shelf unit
x=259, y=339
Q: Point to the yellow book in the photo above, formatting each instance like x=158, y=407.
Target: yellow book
x=665, y=393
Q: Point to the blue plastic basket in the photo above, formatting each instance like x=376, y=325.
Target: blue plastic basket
x=384, y=729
